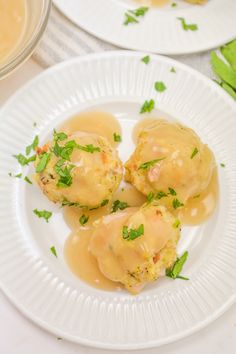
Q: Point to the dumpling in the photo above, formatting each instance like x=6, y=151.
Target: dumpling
x=81, y=169
x=171, y=162
x=135, y=246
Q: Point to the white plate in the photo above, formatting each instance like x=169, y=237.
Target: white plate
x=42, y=286
x=159, y=31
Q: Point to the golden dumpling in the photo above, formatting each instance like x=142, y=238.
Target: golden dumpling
x=135, y=246
x=81, y=169
x=171, y=162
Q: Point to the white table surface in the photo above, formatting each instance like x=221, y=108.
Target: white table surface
x=19, y=335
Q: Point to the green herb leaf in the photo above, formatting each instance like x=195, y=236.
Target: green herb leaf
x=150, y=197
x=148, y=106
x=89, y=148
x=222, y=165
x=129, y=19
x=53, y=250
x=65, y=179
x=172, y=70
x=104, y=202
x=132, y=234
x=83, y=219
x=24, y=160
x=176, y=224
x=177, y=204
x=118, y=205
x=148, y=164
x=175, y=271
x=34, y=124
x=43, y=214
x=44, y=159
x=228, y=89
x=59, y=136
x=19, y=175
x=117, y=138
x=194, y=153
x=173, y=4
x=172, y=191
x=160, y=86
x=27, y=180
x=160, y=195
x=141, y=11
x=33, y=146
x=186, y=27
x=225, y=72
x=146, y=59
x=73, y=204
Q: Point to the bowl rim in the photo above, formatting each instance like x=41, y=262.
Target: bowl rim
x=25, y=52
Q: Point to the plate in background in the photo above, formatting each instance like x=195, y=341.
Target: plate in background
x=159, y=31
x=42, y=286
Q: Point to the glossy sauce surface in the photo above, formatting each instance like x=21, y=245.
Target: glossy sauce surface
x=101, y=123
x=153, y=2
x=12, y=22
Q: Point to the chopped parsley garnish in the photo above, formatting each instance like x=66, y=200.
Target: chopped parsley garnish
x=53, y=250
x=148, y=164
x=177, y=204
x=74, y=204
x=59, y=136
x=172, y=70
x=129, y=19
x=160, y=86
x=176, y=224
x=172, y=191
x=24, y=160
x=34, y=124
x=197, y=196
x=19, y=175
x=173, y=4
x=117, y=138
x=83, y=219
x=194, y=153
x=104, y=202
x=132, y=234
x=89, y=148
x=32, y=146
x=65, y=179
x=146, y=59
x=150, y=197
x=43, y=214
x=118, y=205
x=141, y=11
x=43, y=161
x=186, y=27
x=176, y=269
x=222, y=165
x=160, y=195
x=28, y=180
x=148, y=106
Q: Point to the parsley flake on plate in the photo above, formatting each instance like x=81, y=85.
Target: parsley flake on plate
x=187, y=27
x=23, y=161
x=176, y=269
x=146, y=59
x=160, y=86
x=45, y=214
x=148, y=106
x=149, y=164
x=176, y=224
x=172, y=70
x=53, y=251
x=172, y=191
x=32, y=146
x=129, y=19
x=222, y=165
x=132, y=234
x=28, y=180
x=160, y=195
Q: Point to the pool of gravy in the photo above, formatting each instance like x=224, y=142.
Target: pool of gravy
x=155, y=3
x=12, y=23
x=101, y=123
